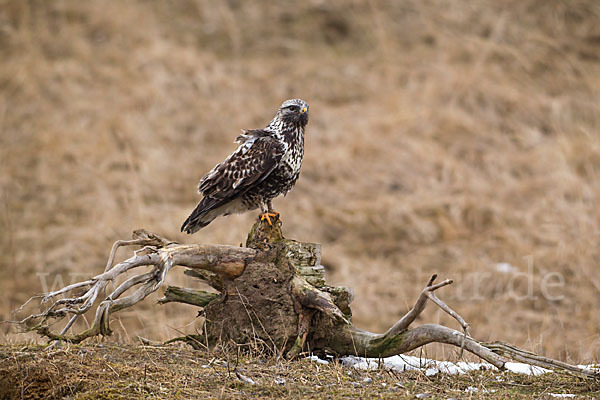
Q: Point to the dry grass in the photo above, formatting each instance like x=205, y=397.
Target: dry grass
x=129, y=372
x=443, y=138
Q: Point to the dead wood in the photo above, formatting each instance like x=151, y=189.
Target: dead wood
x=272, y=295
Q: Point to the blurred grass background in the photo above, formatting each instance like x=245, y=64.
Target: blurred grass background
x=444, y=137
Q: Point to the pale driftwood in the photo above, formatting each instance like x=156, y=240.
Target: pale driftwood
x=272, y=294
x=158, y=253
x=528, y=357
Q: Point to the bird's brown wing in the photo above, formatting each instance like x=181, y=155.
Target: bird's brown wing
x=249, y=165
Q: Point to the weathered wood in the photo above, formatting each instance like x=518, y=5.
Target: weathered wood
x=303, y=255
x=161, y=254
x=193, y=297
x=352, y=340
x=304, y=320
x=214, y=280
x=311, y=297
x=313, y=275
x=227, y=261
x=273, y=296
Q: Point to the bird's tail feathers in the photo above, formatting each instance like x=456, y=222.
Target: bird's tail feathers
x=194, y=225
x=199, y=218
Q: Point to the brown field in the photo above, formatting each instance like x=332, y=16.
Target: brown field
x=444, y=137
x=117, y=371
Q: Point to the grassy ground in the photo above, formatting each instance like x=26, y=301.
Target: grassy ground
x=130, y=372
x=444, y=137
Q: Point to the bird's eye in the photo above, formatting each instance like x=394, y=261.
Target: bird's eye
x=294, y=108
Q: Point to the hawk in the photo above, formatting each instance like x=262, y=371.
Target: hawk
x=265, y=165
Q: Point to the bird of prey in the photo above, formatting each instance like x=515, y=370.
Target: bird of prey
x=265, y=165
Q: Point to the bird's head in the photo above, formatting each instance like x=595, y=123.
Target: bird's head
x=295, y=111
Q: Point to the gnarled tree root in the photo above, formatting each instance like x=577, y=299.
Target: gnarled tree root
x=271, y=294
x=161, y=255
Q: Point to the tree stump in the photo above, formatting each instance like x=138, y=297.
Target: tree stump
x=271, y=305
x=272, y=297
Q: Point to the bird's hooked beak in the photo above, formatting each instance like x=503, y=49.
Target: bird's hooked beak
x=303, y=110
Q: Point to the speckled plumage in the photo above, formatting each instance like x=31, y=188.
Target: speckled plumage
x=265, y=165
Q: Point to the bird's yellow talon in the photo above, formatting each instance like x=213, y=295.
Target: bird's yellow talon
x=267, y=216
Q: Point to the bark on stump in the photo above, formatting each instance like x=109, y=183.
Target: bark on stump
x=272, y=303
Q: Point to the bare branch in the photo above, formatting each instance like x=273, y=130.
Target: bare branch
x=303, y=327
x=193, y=297
x=159, y=253
x=311, y=297
x=69, y=324
x=525, y=356
x=372, y=345
x=129, y=283
x=418, y=308
x=448, y=310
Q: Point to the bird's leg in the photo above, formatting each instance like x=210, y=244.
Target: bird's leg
x=270, y=208
x=267, y=212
